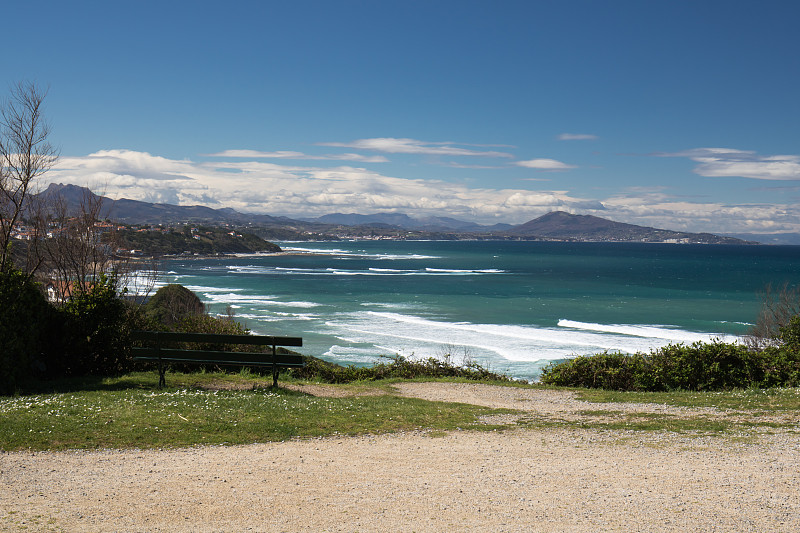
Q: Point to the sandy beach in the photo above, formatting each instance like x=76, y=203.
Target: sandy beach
x=552, y=479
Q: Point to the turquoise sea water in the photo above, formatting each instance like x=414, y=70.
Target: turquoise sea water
x=514, y=306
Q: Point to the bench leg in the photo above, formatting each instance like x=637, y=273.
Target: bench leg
x=274, y=366
x=162, y=382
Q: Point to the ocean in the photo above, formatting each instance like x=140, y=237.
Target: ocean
x=512, y=306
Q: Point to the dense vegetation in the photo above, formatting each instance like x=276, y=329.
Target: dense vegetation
x=90, y=335
x=698, y=367
x=86, y=335
x=396, y=367
x=768, y=357
x=201, y=240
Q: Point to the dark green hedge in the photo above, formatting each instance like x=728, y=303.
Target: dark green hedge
x=699, y=367
x=395, y=367
x=26, y=321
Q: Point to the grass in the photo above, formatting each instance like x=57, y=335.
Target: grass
x=208, y=408
x=130, y=412
x=762, y=400
x=695, y=426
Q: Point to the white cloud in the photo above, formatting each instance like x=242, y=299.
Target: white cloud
x=294, y=190
x=663, y=211
x=286, y=154
x=266, y=187
x=545, y=164
x=392, y=145
x=726, y=162
x=577, y=137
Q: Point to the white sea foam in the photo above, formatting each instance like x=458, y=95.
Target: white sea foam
x=356, y=254
x=353, y=354
x=275, y=317
x=371, y=271
x=672, y=334
x=207, y=289
x=465, y=271
x=325, y=251
x=231, y=298
x=407, y=334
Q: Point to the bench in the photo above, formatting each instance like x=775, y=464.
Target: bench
x=156, y=348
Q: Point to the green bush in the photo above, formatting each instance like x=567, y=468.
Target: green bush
x=781, y=367
x=613, y=371
x=25, y=321
x=396, y=367
x=174, y=303
x=790, y=335
x=705, y=366
x=201, y=323
x=698, y=367
x=95, y=333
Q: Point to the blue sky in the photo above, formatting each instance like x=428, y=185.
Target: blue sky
x=674, y=114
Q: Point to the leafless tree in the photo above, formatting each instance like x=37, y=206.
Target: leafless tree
x=78, y=247
x=25, y=154
x=778, y=306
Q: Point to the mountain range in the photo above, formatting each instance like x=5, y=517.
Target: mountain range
x=557, y=225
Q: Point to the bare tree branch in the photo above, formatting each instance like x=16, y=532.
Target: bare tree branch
x=25, y=154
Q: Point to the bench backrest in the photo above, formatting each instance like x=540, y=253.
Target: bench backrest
x=159, y=353
x=164, y=337
x=157, y=349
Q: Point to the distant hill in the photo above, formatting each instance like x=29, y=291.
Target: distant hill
x=792, y=239
x=566, y=226
x=402, y=221
x=201, y=240
x=557, y=225
x=139, y=212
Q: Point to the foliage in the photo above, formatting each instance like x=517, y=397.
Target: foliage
x=790, y=334
x=210, y=324
x=613, y=371
x=704, y=366
x=95, y=333
x=173, y=303
x=176, y=308
x=778, y=307
x=25, y=318
x=397, y=367
x=204, y=240
x=699, y=367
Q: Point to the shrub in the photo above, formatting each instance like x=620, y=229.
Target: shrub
x=95, y=333
x=790, y=334
x=705, y=366
x=25, y=319
x=174, y=303
x=614, y=371
x=396, y=367
x=781, y=367
x=778, y=308
x=699, y=367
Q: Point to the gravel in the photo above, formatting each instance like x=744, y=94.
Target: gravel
x=555, y=479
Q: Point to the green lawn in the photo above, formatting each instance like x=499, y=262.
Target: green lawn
x=765, y=400
x=131, y=412
x=217, y=408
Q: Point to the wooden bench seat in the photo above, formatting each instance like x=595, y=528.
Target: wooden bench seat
x=156, y=348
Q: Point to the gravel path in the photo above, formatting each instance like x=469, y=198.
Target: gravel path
x=521, y=480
